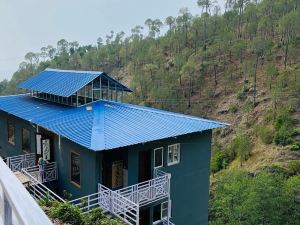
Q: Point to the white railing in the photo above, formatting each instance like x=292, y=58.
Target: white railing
x=121, y=207
x=149, y=191
x=40, y=191
x=19, y=162
x=87, y=203
x=166, y=222
x=43, y=173
x=16, y=205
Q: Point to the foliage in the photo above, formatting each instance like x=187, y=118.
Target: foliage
x=294, y=167
x=243, y=198
x=265, y=133
x=66, y=213
x=242, y=146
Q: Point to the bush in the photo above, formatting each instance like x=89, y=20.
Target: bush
x=295, y=147
x=283, y=137
x=66, y=213
x=217, y=161
x=266, y=134
x=95, y=217
x=294, y=167
x=233, y=108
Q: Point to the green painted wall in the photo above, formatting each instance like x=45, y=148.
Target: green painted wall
x=89, y=168
x=7, y=149
x=190, y=178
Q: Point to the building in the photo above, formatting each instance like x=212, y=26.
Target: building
x=144, y=165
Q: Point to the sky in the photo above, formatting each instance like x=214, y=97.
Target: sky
x=28, y=25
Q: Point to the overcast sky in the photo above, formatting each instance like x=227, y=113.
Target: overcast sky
x=28, y=25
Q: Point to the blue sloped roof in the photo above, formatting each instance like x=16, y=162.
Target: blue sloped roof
x=108, y=125
x=63, y=82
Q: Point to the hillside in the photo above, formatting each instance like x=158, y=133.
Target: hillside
x=240, y=67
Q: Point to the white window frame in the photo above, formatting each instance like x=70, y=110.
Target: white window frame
x=162, y=157
x=161, y=212
x=173, y=162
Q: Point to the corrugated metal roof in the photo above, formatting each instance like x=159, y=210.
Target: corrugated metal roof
x=108, y=125
x=63, y=82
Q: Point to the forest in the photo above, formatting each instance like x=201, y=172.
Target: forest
x=239, y=65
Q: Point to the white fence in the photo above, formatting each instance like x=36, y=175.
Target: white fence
x=16, y=205
x=19, y=162
x=40, y=191
x=43, y=173
x=149, y=191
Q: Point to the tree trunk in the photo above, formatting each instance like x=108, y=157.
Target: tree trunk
x=254, y=82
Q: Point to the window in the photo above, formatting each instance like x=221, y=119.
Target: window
x=25, y=140
x=158, y=157
x=75, y=168
x=173, y=154
x=160, y=212
x=10, y=133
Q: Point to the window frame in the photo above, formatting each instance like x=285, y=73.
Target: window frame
x=29, y=139
x=161, y=212
x=162, y=157
x=9, y=123
x=71, y=170
x=179, y=154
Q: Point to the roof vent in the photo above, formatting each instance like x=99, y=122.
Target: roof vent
x=89, y=108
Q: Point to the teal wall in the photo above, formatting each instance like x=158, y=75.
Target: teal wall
x=7, y=149
x=89, y=168
x=190, y=178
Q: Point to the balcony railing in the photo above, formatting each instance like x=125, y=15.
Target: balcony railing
x=16, y=205
x=42, y=173
x=149, y=191
x=19, y=162
x=125, y=203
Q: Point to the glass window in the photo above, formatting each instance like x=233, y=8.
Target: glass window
x=25, y=140
x=10, y=133
x=173, y=154
x=75, y=168
x=158, y=157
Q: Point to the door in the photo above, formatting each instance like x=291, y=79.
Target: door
x=145, y=217
x=144, y=165
x=44, y=147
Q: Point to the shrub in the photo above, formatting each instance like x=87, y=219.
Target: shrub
x=295, y=147
x=233, y=108
x=66, y=213
x=283, y=137
x=266, y=134
x=294, y=167
x=95, y=217
x=217, y=161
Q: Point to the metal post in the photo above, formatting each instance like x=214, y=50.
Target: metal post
x=100, y=87
x=7, y=212
x=84, y=94
x=92, y=91
x=77, y=98
x=107, y=89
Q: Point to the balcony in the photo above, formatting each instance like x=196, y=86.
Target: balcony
x=125, y=203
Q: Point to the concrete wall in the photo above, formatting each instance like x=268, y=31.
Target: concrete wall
x=190, y=178
x=7, y=149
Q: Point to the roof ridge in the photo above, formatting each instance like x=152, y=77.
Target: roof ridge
x=164, y=112
x=98, y=127
x=74, y=71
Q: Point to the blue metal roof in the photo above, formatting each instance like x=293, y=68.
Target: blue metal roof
x=108, y=124
x=63, y=82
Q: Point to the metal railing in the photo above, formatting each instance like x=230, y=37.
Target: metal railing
x=149, y=191
x=19, y=162
x=166, y=222
x=40, y=191
x=43, y=173
x=16, y=205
